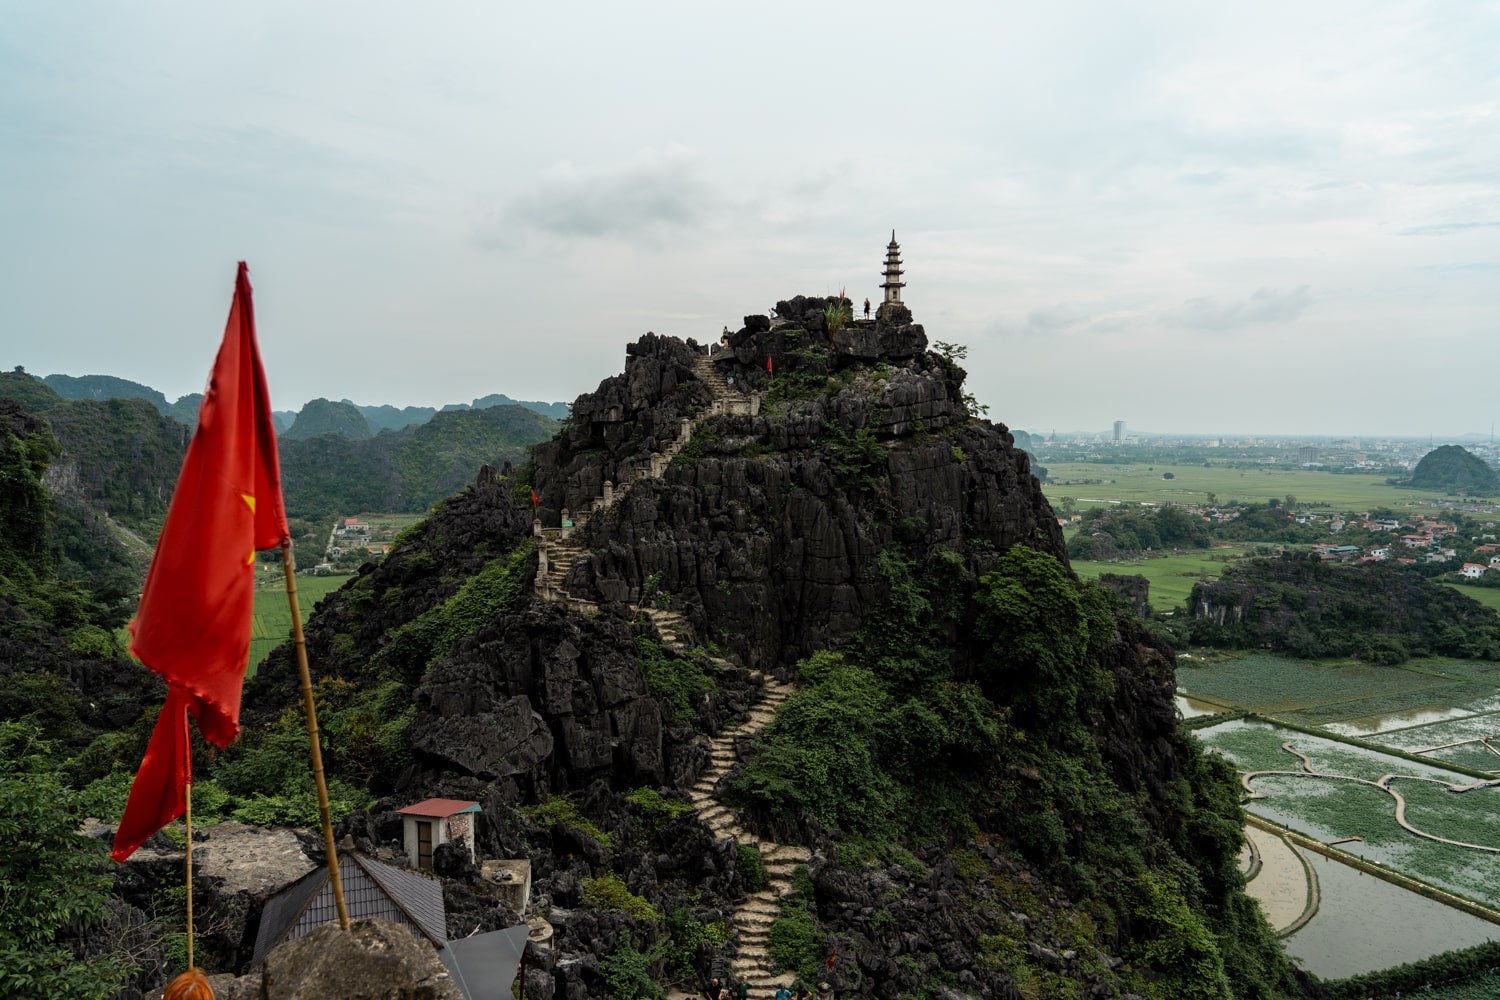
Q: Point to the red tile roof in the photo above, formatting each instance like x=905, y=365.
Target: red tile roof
x=439, y=808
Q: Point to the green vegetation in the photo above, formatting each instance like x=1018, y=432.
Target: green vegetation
x=1127, y=531
x=51, y=878
x=751, y=867
x=1454, y=469
x=272, y=621
x=407, y=470
x=1332, y=810
x=1091, y=484
x=1309, y=608
x=838, y=313
x=1172, y=577
x=487, y=595
x=609, y=894
x=1488, y=596
x=689, y=936
x=904, y=752
x=795, y=942
x=562, y=810
x=680, y=681
x=322, y=416
x=656, y=810
x=627, y=972
x=30, y=393
x=1335, y=690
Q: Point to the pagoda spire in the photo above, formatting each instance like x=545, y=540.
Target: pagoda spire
x=893, y=283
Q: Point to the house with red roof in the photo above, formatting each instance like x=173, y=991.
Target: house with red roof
x=431, y=823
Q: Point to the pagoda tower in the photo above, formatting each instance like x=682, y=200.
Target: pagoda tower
x=893, y=283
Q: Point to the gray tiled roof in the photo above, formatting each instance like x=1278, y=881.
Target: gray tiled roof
x=371, y=889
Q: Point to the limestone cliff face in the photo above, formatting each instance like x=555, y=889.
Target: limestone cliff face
x=764, y=530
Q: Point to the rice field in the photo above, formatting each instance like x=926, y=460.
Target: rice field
x=1335, y=810
x=1321, y=691
x=1191, y=484
x=272, y=624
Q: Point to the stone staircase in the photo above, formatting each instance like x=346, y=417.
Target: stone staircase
x=558, y=551
x=752, y=919
x=556, y=548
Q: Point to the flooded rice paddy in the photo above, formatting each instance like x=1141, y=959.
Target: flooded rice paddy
x=1364, y=923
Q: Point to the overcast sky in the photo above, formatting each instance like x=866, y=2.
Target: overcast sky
x=1269, y=217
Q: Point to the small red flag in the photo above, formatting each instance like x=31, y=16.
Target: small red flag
x=833, y=957
x=769, y=367
x=536, y=501
x=193, y=625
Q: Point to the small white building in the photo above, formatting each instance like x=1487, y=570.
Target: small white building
x=1473, y=571
x=427, y=825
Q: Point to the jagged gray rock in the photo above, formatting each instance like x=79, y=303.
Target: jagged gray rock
x=373, y=960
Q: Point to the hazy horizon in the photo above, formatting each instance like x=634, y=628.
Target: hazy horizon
x=1175, y=215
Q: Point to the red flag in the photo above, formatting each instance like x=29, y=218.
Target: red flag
x=833, y=957
x=535, y=500
x=193, y=625
x=769, y=368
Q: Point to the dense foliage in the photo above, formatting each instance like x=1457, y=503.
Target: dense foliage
x=1129, y=530
x=1476, y=965
x=1454, y=469
x=1309, y=608
x=1007, y=746
x=322, y=416
x=52, y=882
x=406, y=470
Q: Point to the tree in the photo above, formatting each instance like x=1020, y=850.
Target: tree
x=1042, y=632
x=52, y=882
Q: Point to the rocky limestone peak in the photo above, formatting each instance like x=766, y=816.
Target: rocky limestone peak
x=763, y=529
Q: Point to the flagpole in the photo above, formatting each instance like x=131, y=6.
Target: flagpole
x=187, y=815
x=311, y=711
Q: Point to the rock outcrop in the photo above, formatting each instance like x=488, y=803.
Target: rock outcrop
x=373, y=960
x=763, y=529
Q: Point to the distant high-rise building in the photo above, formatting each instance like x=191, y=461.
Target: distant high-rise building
x=1119, y=431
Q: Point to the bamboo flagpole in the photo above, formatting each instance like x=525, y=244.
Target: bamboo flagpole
x=311, y=711
x=187, y=818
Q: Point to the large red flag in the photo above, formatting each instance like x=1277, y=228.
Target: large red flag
x=193, y=626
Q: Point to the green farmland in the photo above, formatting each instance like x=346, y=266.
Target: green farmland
x=1440, y=803
x=272, y=624
x=1488, y=596
x=1191, y=484
x=1172, y=577
x=1341, y=693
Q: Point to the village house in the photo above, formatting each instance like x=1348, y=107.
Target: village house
x=429, y=824
x=353, y=527
x=1378, y=554
x=1473, y=571
x=1417, y=541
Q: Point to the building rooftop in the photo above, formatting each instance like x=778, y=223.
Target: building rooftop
x=439, y=808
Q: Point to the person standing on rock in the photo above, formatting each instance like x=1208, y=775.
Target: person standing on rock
x=867, y=307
